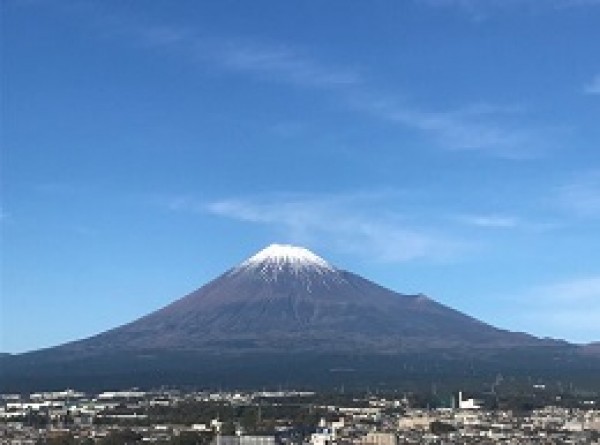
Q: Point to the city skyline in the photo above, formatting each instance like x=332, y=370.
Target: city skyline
x=441, y=147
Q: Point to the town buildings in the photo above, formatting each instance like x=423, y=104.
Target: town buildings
x=286, y=417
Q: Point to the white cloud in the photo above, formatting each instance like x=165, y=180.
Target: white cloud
x=286, y=65
x=480, y=10
x=475, y=127
x=347, y=223
x=593, y=87
x=471, y=128
x=500, y=221
x=490, y=221
x=567, y=309
x=584, y=290
x=575, y=3
x=571, y=306
x=275, y=62
x=481, y=128
x=582, y=196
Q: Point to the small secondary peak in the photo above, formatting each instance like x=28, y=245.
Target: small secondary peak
x=280, y=254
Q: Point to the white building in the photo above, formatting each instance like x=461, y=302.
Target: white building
x=467, y=403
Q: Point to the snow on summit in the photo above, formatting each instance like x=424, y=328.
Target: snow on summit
x=278, y=255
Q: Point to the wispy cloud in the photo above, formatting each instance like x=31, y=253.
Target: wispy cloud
x=480, y=10
x=582, y=195
x=568, y=305
x=584, y=290
x=287, y=65
x=4, y=215
x=491, y=221
x=479, y=128
x=267, y=61
x=562, y=4
x=567, y=308
x=475, y=127
x=593, y=87
x=505, y=222
x=350, y=223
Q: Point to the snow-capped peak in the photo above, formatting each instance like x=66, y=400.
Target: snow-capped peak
x=287, y=254
x=283, y=254
x=278, y=261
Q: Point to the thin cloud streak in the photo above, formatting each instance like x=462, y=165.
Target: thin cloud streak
x=279, y=63
x=284, y=64
x=480, y=10
x=569, y=303
x=4, y=215
x=344, y=224
x=581, y=197
x=581, y=290
x=490, y=221
x=593, y=87
x=559, y=308
x=504, y=222
x=479, y=129
x=473, y=128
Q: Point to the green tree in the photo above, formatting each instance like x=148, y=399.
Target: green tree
x=228, y=428
x=249, y=419
x=122, y=437
x=191, y=438
x=438, y=427
x=63, y=439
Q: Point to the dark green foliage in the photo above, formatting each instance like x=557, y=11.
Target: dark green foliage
x=190, y=412
x=228, y=428
x=63, y=439
x=440, y=428
x=122, y=437
x=408, y=372
x=191, y=438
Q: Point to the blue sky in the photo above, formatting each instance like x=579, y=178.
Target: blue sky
x=447, y=147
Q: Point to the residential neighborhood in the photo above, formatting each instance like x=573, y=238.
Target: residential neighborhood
x=281, y=417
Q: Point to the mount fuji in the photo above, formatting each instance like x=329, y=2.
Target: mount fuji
x=286, y=297
x=286, y=307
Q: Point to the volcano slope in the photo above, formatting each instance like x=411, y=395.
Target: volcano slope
x=285, y=314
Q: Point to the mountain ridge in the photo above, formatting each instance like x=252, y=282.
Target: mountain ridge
x=286, y=296
x=286, y=313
